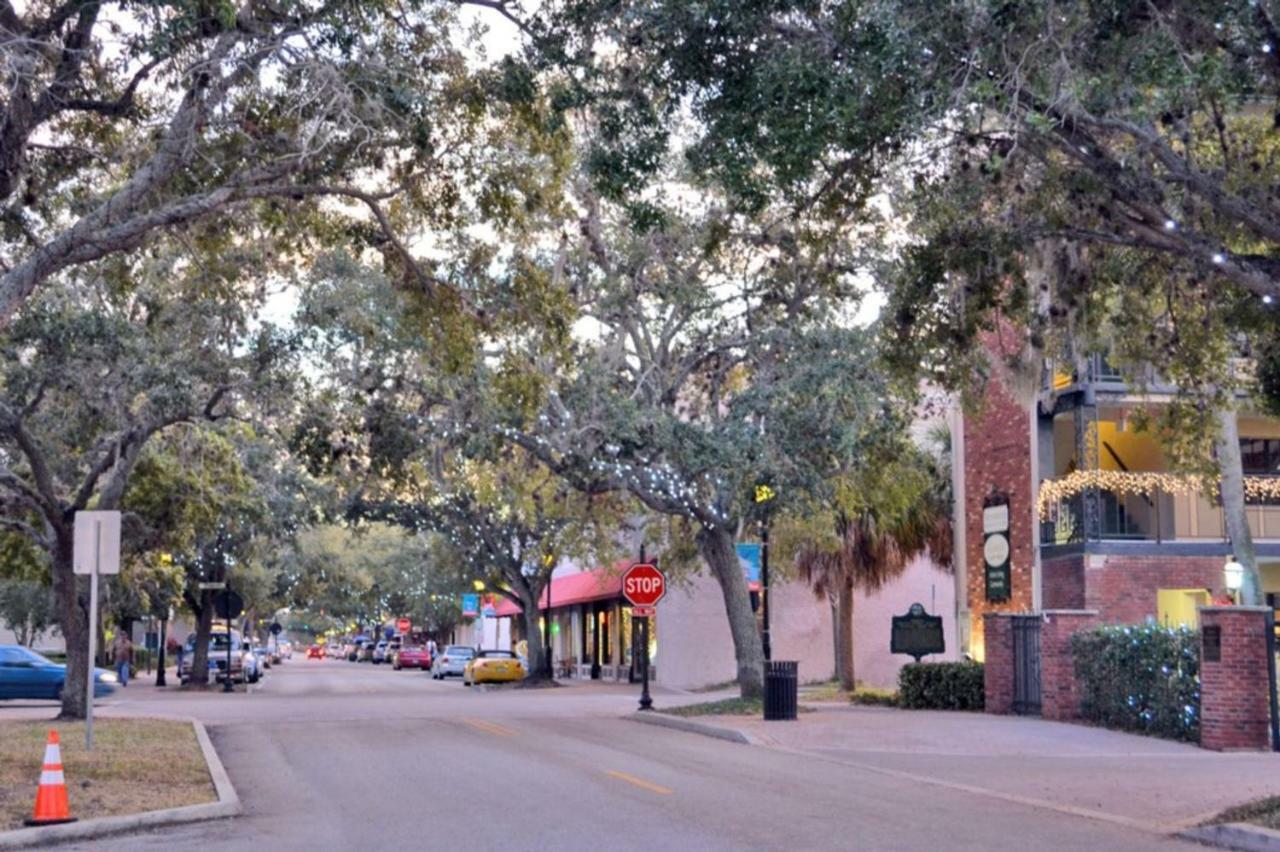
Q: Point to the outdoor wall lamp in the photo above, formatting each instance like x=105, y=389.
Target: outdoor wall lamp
x=1233, y=576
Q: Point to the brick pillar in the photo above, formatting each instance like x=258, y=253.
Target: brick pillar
x=997, y=670
x=1059, y=690
x=1235, y=707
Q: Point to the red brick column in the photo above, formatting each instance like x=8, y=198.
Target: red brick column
x=1059, y=690
x=1234, y=693
x=997, y=670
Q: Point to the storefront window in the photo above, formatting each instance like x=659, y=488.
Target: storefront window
x=626, y=635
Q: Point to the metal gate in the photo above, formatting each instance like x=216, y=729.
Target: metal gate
x=1026, y=665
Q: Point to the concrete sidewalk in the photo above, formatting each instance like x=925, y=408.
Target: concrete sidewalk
x=1139, y=781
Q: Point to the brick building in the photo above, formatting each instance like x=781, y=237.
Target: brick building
x=1129, y=548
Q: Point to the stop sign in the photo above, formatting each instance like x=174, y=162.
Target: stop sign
x=643, y=585
x=404, y=625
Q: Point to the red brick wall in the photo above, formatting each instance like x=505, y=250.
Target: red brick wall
x=997, y=671
x=1234, y=697
x=1059, y=690
x=1123, y=588
x=997, y=452
x=1062, y=582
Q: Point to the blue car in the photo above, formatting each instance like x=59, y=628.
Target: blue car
x=26, y=674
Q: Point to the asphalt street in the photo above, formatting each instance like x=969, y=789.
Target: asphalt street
x=335, y=755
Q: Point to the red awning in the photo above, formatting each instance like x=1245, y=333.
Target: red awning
x=599, y=585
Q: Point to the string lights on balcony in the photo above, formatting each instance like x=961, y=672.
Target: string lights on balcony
x=1256, y=488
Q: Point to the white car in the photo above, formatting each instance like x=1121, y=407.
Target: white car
x=452, y=661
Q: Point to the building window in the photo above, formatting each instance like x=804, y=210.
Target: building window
x=1260, y=456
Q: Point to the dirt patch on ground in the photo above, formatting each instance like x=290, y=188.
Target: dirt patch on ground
x=136, y=765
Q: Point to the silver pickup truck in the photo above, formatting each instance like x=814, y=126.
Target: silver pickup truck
x=217, y=657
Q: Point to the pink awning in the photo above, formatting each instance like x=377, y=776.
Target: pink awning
x=598, y=585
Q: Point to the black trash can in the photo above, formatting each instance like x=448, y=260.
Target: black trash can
x=781, y=684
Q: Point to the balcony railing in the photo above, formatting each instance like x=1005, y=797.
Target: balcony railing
x=1112, y=514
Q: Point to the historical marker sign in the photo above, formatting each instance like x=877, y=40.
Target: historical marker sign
x=917, y=633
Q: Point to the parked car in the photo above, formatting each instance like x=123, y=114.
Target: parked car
x=411, y=657
x=253, y=666
x=273, y=652
x=26, y=674
x=493, y=667
x=365, y=654
x=315, y=652
x=263, y=656
x=286, y=649
x=380, y=652
x=452, y=662
x=218, y=641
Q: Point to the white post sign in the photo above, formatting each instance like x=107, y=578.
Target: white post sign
x=97, y=551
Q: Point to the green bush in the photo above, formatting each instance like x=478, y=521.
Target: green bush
x=1143, y=678
x=941, y=686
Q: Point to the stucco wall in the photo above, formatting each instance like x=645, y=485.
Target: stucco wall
x=923, y=583
x=694, y=647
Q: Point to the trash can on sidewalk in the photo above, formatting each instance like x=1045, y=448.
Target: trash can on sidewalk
x=781, y=682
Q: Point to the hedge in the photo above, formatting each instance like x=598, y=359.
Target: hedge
x=941, y=686
x=1143, y=678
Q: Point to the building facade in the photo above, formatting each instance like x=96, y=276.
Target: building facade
x=593, y=635
x=1097, y=518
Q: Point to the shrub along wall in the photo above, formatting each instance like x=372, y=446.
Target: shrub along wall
x=1141, y=678
x=941, y=686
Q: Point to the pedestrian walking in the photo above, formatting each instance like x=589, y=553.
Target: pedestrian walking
x=122, y=650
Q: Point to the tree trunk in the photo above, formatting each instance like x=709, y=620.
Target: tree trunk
x=533, y=636
x=844, y=628
x=73, y=621
x=717, y=549
x=1233, y=508
x=837, y=650
x=204, y=628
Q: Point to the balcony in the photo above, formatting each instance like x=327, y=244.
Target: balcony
x=1136, y=507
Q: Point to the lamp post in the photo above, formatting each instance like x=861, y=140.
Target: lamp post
x=764, y=495
x=1233, y=576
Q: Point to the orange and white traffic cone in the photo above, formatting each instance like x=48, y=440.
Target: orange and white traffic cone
x=51, y=797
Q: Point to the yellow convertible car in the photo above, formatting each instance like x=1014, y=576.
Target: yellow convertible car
x=493, y=667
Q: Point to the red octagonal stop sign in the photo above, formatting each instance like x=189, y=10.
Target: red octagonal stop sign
x=643, y=585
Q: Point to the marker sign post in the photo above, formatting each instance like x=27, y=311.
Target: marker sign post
x=643, y=585
x=97, y=551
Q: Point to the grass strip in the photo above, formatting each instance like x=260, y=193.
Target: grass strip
x=136, y=765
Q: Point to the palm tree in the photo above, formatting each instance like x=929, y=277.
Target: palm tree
x=881, y=517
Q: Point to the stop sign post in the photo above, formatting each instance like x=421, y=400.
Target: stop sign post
x=643, y=585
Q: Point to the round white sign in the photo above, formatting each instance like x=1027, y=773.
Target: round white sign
x=996, y=550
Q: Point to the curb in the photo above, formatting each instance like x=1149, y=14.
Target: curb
x=228, y=805
x=679, y=723
x=1235, y=835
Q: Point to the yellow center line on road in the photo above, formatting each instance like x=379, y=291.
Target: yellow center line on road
x=491, y=728
x=640, y=782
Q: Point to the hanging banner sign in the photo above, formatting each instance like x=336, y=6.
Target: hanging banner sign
x=749, y=556
x=995, y=548
x=470, y=606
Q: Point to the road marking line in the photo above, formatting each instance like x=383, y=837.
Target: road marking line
x=640, y=782
x=491, y=728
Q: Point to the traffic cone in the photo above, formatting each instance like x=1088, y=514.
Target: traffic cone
x=51, y=797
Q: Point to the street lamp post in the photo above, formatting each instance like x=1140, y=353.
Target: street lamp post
x=164, y=632
x=765, y=494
